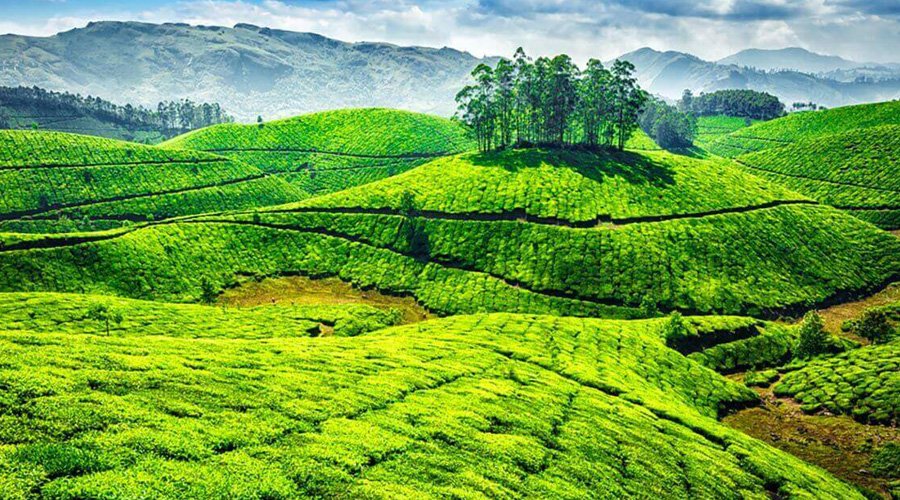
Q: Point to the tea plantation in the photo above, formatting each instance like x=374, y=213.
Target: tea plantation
x=856, y=171
x=805, y=126
x=49, y=175
x=476, y=406
x=333, y=150
x=560, y=367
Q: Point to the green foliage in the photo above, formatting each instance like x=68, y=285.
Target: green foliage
x=873, y=325
x=812, y=339
x=711, y=128
x=103, y=314
x=733, y=263
x=741, y=103
x=569, y=185
x=488, y=405
x=551, y=102
x=806, y=126
x=675, y=328
x=334, y=150
x=66, y=313
x=855, y=169
x=770, y=346
x=668, y=127
x=864, y=383
x=208, y=291
x=762, y=378
x=51, y=174
x=886, y=461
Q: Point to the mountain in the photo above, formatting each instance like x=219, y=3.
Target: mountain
x=792, y=58
x=249, y=70
x=669, y=73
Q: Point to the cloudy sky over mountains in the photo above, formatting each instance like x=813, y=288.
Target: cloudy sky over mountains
x=862, y=30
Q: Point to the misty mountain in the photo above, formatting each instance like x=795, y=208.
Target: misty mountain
x=669, y=73
x=249, y=70
x=791, y=58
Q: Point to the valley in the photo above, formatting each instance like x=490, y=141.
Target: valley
x=532, y=299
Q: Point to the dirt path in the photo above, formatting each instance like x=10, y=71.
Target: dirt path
x=327, y=291
x=838, y=444
x=835, y=315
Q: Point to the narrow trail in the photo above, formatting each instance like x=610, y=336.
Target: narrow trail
x=112, y=164
x=329, y=153
x=816, y=179
x=520, y=215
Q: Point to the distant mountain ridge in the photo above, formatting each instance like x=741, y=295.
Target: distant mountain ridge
x=248, y=69
x=669, y=73
x=252, y=71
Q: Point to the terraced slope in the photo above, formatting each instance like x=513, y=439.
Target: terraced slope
x=857, y=171
x=805, y=126
x=712, y=128
x=864, y=383
x=48, y=175
x=735, y=263
x=488, y=405
x=333, y=150
x=574, y=187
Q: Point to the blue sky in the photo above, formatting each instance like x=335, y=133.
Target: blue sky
x=856, y=29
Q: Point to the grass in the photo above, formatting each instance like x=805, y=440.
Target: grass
x=568, y=185
x=478, y=406
x=805, y=126
x=329, y=151
x=53, y=175
x=301, y=290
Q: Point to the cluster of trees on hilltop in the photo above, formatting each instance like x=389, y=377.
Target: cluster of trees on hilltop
x=667, y=125
x=550, y=101
x=741, y=103
x=169, y=117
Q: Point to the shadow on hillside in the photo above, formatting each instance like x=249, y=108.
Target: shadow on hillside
x=597, y=165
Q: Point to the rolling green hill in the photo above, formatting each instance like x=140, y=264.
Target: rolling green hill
x=805, y=126
x=858, y=171
x=647, y=230
x=576, y=187
x=45, y=176
x=712, y=128
x=334, y=150
x=476, y=406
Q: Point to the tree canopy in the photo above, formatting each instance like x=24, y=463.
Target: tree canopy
x=741, y=103
x=550, y=101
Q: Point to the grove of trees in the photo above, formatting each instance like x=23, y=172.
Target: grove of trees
x=741, y=103
x=551, y=102
x=668, y=126
x=169, y=116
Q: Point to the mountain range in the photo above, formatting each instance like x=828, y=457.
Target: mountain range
x=254, y=71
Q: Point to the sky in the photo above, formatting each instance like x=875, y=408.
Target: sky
x=861, y=30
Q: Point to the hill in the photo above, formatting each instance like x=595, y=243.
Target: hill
x=793, y=58
x=806, y=126
x=334, y=149
x=46, y=176
x=857, y=171
x=669, y=73
x=487, y=405
x=249, y=70
x=644, y=231
x=37, y=109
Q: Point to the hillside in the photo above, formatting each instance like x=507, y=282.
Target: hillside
x=856, y=171
x=794, y=58
x=45, y=176
x=249, y=70
x=669, y=73
x=37, y=109
x=334, y=150
x=645, y=229
x=488, y=405
x=806, y=126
